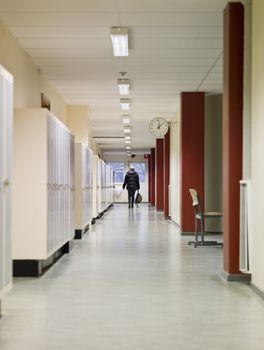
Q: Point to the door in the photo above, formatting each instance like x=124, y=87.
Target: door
x=120, y=169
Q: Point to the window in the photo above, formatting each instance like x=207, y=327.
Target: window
x=119, y=172
x=140, y=168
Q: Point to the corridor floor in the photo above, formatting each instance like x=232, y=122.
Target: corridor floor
x=133, y=284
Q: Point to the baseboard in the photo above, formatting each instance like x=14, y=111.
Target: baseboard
x=36, y=268
x=240, y=277
x=81, y=232
x=256, y=290
x=207, y=233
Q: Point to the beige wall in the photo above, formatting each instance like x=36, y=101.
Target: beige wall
x=123, y=158
x=258, y=144
x=57, y=103
x=28, y=83
x=213, y=159
x=78, y=121
x=247, y=91
x=26, y=76
x=175, y=169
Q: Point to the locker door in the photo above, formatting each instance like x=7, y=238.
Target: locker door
x=6, y=120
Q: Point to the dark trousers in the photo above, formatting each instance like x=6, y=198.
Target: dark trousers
x=131, y=198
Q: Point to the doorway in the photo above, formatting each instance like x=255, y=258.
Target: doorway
x=120, y=169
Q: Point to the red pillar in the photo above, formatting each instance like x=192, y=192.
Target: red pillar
x=192, y=154
x=232, y=133
x=166, y=169
x=153, y=160
x=149, y=178
x=159, y=188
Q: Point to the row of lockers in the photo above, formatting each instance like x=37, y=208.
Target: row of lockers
x=58, y=186
x=6, y=112
x=53, y=185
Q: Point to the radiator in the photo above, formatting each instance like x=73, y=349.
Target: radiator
x=245, y=226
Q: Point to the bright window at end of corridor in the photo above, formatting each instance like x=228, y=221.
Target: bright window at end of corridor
x=119, y=171
x=140, y=168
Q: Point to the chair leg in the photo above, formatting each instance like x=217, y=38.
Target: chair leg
x=202, y=231
x=207, y=243
x=201, y=243
x=195, y=242
x=196, y=231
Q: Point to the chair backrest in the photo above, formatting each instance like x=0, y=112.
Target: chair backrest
x=194, y=196
x=195, y=202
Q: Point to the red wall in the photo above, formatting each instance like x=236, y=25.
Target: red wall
x=166, y=169
x=232, y=132
x=159, y=192
x=192, y=154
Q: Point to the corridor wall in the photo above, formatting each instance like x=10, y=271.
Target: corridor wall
x=83, y=188
x=213, y=158
x=6, y=120
x=42, y=199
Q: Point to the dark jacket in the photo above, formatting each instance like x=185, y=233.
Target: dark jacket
x=131, y=182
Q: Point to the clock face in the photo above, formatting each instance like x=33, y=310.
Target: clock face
x=159, y=127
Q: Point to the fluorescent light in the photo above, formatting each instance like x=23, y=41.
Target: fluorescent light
x=128, y=147
x=125, y=103
x=126, y=119
x=127, y=137
x=128, y=142
x=127, y=130
x=123, y=86
x=119, y=36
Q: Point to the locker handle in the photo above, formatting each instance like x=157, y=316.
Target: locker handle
x=6, y=183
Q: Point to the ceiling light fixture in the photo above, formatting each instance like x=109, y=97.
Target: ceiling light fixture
x=119, y=36
x=128, y=137
x=128, y=147
x=125, y=104
x=128, y=142
x=123, y=86
x=127, y=130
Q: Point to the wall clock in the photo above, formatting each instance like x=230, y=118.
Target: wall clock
x=159, y=127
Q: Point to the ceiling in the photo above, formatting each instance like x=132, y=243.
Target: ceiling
x=175, y=45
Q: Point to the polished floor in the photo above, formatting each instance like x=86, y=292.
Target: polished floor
x=133, y=284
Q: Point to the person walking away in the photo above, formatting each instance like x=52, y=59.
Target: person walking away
x=131, y=183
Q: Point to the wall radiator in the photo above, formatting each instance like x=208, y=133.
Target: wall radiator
x=245, y=226
x=169, y=190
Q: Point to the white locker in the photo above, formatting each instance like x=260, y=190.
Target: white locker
x=95, y=211
x=112, y=185
x=83, y=188
x=99, y=186
x=6, y=121
x=42, y=189
x=72, y=185
x=103, y=186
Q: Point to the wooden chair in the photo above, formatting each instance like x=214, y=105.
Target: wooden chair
x=199, y=215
